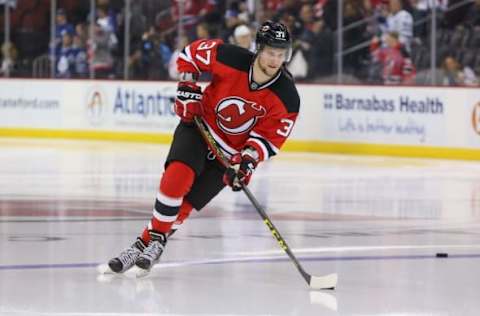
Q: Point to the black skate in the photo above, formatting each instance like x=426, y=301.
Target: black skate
x=126, y=259
x=152, y=253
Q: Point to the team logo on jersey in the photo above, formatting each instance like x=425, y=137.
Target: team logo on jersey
x=236, y=115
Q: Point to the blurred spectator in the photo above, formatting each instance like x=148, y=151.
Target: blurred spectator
x=77, y=11
x=29, y=16
x=166, y=53
x=203, y=30
x=426, y=5
x=289, y=7
x=193, y=11
x=455, y=13
x=9, y=59
x=329, y=10
x=71, y=57
x=81, y=32
x=65, y=57
x=62, y=26
x=80, y=57
x=353, y=13
x=155, y=55
x=396, y=19
x=172, y=66
x=106, y=20
x=298, y=65
x=473, y=15
x=421, y=11
x=136, y=67
x=456, y=75
x=311, y=22
x=231, y=22
x=244, y=15
x=138, y=26
x=318, y=8
x=243, y=37
x=293, y=24
x=273, y=5
x=373, y=10
x=306, y=16
x=393, y=63
x=138, y=22
x=100, y=52
x=320, y=52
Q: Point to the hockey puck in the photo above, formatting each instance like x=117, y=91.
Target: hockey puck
x=442, y=255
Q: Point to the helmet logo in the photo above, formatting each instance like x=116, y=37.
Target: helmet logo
x=265, y=28
x=280, y=35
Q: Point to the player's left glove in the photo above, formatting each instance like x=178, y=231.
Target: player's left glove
x=240, y=171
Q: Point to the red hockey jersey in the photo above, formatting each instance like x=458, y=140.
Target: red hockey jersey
x=238, y=111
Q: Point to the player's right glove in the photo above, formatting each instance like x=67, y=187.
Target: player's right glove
x=240, y=171
x=188, y=102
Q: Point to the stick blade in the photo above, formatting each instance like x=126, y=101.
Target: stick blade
x=327, y=282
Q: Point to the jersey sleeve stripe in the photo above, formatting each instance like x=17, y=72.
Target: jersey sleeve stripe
x=271, y=147
x=259, y=147
x=187, y=56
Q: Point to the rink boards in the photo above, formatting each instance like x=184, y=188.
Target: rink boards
x=402, y=121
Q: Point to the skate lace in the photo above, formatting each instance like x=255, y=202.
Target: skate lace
x=128, y=256
x=154, y=250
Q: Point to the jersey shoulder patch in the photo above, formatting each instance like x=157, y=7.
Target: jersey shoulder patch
x=286, y=91
x=235, y=57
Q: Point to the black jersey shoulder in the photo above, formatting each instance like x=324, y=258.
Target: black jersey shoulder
x=235, y=57
x=284, y=88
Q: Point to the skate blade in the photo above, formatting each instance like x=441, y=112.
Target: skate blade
x=106, y=274
x=104, y=269
x=140, y=273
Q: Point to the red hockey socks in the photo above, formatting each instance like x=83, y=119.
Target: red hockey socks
x=174, y=185
x=185, y=210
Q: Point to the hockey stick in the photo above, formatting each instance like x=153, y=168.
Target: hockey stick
x=315, y=282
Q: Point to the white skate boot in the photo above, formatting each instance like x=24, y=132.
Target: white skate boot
x=152, y=252
x=126, y=259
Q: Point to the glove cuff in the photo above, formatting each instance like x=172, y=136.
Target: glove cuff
x=188, y=76
x=251, y=154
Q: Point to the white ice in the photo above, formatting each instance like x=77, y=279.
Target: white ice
x=67, y=206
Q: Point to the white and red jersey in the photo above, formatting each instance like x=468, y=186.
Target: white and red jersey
x=238, y=111
x=402, y=23
x=397, y=67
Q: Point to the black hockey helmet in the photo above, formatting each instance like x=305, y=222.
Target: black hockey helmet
x=273, y=34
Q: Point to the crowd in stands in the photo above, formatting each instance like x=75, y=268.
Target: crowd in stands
x=383, y=41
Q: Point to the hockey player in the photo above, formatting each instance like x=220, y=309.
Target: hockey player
x=249, y=107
